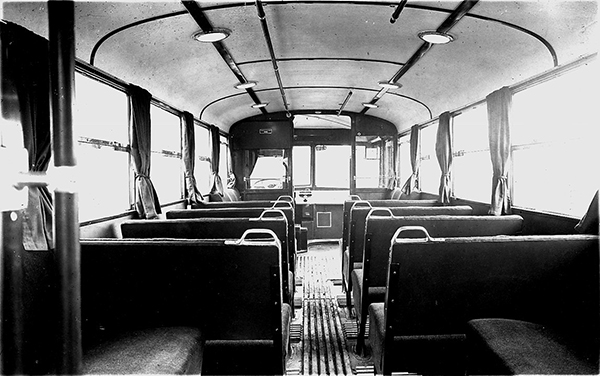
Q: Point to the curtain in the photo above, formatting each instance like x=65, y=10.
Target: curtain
x=146, y=203
x=25, y=98
x=412, y=184
x=215, y=142
x=443, y=150
x=189, y=161
x=498, y=106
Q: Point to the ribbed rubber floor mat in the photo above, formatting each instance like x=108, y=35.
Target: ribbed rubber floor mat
x=323, y=345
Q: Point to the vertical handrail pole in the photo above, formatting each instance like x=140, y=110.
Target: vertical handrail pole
x=11, y=272
x=62, y=74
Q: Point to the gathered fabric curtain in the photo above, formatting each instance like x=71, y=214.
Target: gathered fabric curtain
x=189, y=159
x=146, y=203
x=498, y=106
x=443, y=151
x=25, y=93
x=412, y=184
x=215, y=142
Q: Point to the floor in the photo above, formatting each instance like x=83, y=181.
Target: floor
x=323, y=332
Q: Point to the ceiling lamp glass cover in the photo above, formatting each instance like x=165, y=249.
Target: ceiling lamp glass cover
x=259, y=105
x=389, y=85
x=435, y=37
x=215, y=35
x=246, y=85
x=370, y=105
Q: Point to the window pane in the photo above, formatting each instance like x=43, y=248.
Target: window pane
x=555, y=149
x=472, y=165
x=270, y=170
x=90, y=116
x=224, y=161
x=103, y=181
x=404, y=166
x=430, y=172
x=374, y=163
x=102, y=154
x=166, y=130
x=332, y=166
x=301, y=159
x=166, y=165
x=202, y=167
x=166, y=177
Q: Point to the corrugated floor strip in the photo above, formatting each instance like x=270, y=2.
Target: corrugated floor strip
x=320, y=346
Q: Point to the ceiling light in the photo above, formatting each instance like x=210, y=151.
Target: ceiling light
x=389, y=85
x=435, y=37
x=370, y=105
x=259, y=105
x=246, y=85
x=212, y=36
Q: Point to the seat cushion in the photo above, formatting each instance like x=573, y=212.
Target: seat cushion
x=377, y=334
x=376, y=294
x=169, y=350
x=502, y=346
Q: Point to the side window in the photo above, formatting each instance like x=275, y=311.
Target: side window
x=430, y=169
x=471, y=165
x=103, y=148
x=224, y=160
x=374, y=161
x=166, y=166
x=202, y=166
x=404, y=166
x=555, y=133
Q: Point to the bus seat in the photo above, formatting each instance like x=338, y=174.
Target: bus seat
x=436, y=286
x=166, y=350
x=369, y=283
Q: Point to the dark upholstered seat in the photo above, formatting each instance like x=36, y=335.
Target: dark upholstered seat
x=167, y=350
x=515, y=347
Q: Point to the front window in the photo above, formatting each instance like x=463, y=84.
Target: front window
x=270, y=169
x=332, y=166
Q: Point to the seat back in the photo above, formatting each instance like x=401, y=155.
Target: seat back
x=215, y=228
x=440, y=284
x=129, y=283
x=380, y=230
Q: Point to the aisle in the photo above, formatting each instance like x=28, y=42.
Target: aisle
x=320, y=344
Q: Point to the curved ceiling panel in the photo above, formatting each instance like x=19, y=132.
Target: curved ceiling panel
x=323, y=49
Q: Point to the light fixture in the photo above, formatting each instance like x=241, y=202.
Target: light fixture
x=212, y=36
x=370, y=105
x=389, y=85
x=246, y=85
x=260, y=105
x=435, y=37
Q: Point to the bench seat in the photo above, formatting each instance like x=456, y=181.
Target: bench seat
x=515, y=347
x=167, y=350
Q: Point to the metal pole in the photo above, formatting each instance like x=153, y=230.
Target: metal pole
x=62, y=74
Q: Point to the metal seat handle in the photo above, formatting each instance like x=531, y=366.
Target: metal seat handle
x=262, y=217
x=426, y=238
x=270, y=237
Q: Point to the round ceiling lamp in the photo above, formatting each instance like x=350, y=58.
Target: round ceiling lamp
x=212, y=36
x=435, y=37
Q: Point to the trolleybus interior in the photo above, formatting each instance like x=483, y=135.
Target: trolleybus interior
x=299, y=187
